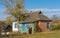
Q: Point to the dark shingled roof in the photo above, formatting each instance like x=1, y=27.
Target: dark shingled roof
x=34, y=16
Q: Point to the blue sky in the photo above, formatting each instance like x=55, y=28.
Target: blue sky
x=48, y=7
x=42, y=4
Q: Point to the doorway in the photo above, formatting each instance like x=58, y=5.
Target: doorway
x=30, y=30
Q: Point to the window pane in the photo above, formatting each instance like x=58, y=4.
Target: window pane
x=15, y=25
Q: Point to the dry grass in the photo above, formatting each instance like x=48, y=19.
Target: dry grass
x=52, y=34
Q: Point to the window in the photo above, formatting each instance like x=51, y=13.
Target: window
x=15, y=25
x=48, y=25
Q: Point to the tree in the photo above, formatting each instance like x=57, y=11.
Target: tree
x=8, y=21
x=15, y=8
x=55, y=17
x=55, y=20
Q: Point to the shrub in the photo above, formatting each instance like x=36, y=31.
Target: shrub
x=55, y=27
x=36, y=27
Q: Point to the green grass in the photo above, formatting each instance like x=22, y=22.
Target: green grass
x=54, y=34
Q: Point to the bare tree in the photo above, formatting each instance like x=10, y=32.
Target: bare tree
x=55, y=20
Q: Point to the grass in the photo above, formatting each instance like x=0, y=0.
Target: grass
x=52, y=34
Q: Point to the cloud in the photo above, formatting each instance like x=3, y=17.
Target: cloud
x=44, y=9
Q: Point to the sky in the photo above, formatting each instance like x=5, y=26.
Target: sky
x=48, y=7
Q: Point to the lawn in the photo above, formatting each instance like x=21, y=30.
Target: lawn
x=52, y=34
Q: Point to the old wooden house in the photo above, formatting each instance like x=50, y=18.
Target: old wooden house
x=28, y=24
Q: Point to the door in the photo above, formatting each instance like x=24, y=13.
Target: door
x=23, y=27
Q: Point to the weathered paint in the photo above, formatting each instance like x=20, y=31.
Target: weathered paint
x=30, y=25
x=23, y=28
x=43, y=25
x=20, y=27
x=13, y=27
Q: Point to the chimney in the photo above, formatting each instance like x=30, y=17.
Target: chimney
x=40, y=12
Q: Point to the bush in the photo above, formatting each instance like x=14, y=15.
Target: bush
x=36, y=27
x=55, y=27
